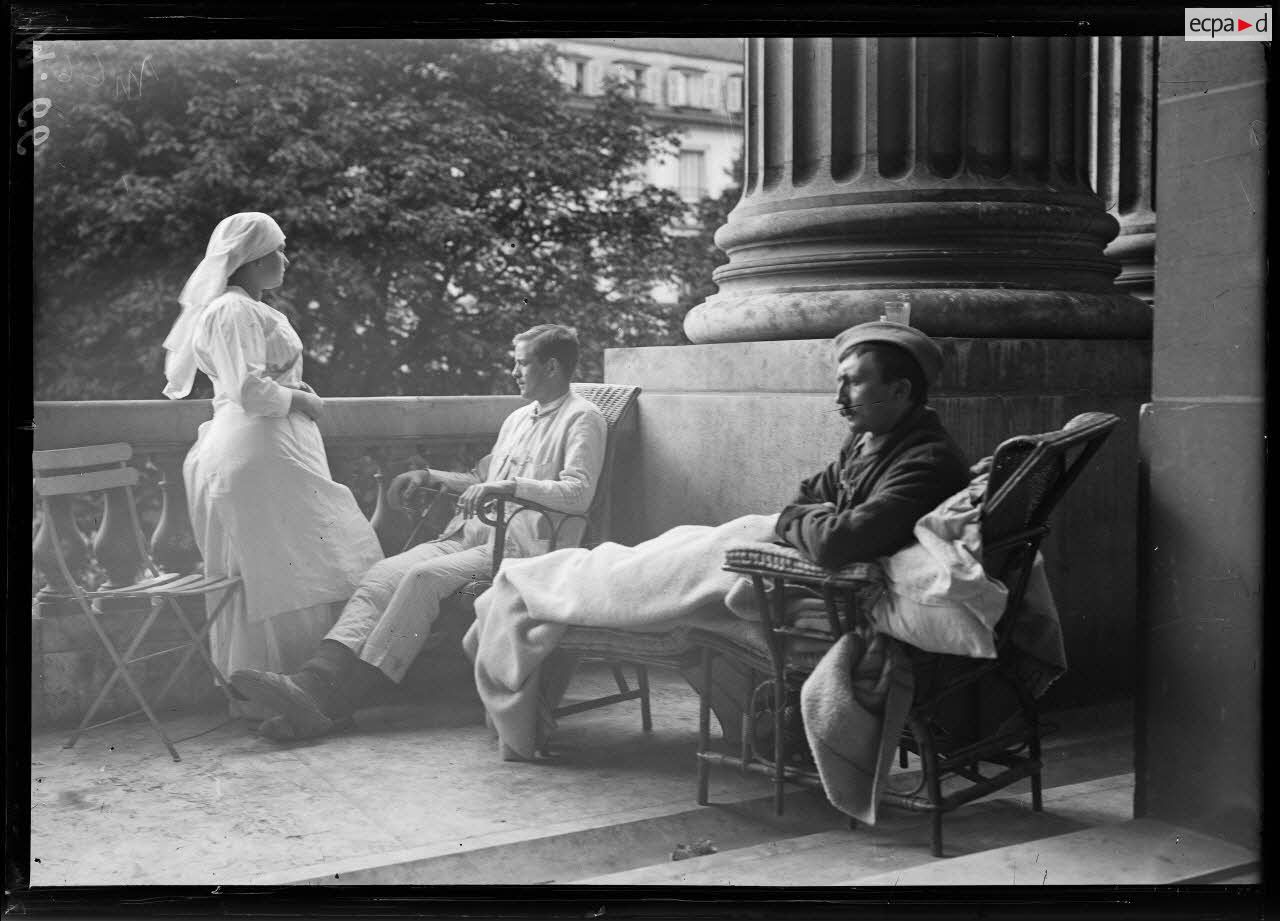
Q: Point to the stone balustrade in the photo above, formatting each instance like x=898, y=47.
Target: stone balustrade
x=361, y=435
x=364, y=438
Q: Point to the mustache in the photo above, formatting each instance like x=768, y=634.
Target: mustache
x=844, y=410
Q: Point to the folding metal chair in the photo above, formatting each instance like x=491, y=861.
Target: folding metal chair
x=101, y=469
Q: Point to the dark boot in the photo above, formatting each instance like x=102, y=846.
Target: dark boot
x=323, y=694
x=339, y=680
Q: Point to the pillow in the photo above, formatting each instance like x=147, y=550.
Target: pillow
x=939, y=598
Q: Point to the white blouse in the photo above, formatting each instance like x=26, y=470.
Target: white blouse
x=250, y=352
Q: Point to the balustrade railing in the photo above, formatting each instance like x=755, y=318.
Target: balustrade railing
x=367, y=440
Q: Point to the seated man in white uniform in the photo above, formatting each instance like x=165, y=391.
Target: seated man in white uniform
x=549, y=451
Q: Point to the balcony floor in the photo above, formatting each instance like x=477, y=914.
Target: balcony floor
x=417, y=794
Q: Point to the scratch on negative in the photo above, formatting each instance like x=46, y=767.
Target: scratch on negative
x=1246, y=195
x=1184, y=620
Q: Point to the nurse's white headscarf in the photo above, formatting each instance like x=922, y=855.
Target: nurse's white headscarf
x=238, y=239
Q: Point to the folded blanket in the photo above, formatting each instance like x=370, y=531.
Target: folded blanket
x=854, y=705
x=677, y=577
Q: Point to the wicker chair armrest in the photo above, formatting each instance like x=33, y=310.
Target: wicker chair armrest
x=664, y=647
x=781, y=560
x=555, y=519
x=539, y=508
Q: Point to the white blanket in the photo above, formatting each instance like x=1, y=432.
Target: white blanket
x=677, y=577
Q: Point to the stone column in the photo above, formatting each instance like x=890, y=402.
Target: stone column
x=1124, y=175
x=954, y=172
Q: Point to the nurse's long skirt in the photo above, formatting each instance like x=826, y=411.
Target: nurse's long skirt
x=265, y=508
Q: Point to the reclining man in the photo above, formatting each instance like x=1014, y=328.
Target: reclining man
x=549, y=451
x=897, y=464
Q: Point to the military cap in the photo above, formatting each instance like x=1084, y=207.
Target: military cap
x=919, y=346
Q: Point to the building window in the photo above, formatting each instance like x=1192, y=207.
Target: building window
x=677, y=88
x=573, y=74
x=692, y=184
x=733, y=93
x=633, y=78
x=685, y=88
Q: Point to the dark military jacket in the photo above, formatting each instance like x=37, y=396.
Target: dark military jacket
x=881, y=486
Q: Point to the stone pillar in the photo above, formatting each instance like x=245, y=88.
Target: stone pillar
x=1199, y=742
x=952, y=171
x=955, y=173
x=1125, y=171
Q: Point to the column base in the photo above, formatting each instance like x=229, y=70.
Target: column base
x=1008, y=313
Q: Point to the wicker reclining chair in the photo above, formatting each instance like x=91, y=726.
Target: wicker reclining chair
x=945, y=726
x=617, y=403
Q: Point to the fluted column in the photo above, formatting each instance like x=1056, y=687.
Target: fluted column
x=954, y=172
x=1125, y=171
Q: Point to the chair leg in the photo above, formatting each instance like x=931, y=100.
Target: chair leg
x=779, y=742
x=902, y=756
x=1033, y=749
x=642, y=681
x=619, y=678
x=932, y=782
x=704, y=729
x=119, y=662
x=197, y=648
x=1031, y=713
x=121, y=672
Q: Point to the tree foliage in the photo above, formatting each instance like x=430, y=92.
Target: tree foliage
x=438, y=196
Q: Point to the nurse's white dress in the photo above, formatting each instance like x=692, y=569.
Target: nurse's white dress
x=263, y=504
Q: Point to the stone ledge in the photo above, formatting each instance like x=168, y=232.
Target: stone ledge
x=1143, y=852
x=980, y=367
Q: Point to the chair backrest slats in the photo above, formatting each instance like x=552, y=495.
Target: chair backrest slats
x=93, y=481
x=88, y=456
x=617, y=403
x=1029, y=474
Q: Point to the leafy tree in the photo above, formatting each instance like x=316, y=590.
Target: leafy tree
x=438, y=196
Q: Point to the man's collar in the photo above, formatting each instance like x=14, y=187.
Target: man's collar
x=540, y=410
x=874, y=444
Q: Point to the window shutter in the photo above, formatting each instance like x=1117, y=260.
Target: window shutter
x=710, y=91
x=675, y=88
x=595, y=79
x=692, y=179
x=733, y=100
x=652, y=85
